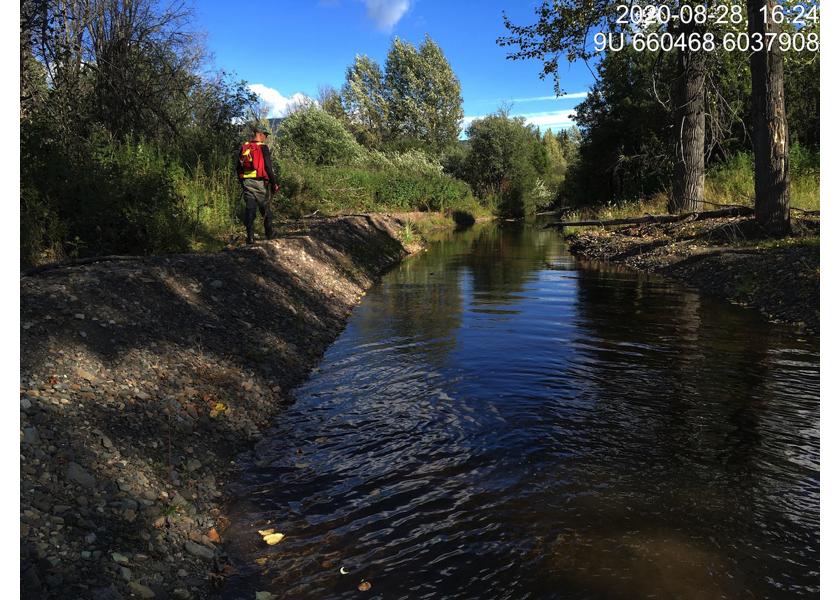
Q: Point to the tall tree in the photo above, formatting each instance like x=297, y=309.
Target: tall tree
x=363, y=97
x=771, y=138
x=423, y=94
x=127, y=64
x=626, y=150
x=689, y=134
x=329, y=100
x=441, y=94
x=564, y=28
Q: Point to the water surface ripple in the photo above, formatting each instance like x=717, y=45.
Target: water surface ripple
x=500, y=420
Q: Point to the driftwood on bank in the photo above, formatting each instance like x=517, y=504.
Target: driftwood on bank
x=735, y=211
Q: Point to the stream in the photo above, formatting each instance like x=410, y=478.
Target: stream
x=501, y=419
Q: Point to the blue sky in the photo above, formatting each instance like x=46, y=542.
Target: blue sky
x=292, y=47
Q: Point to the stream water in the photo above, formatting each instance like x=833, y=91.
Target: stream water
x=503, y=420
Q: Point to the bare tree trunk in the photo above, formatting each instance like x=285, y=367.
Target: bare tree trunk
x=689, y=133
x=771, y=138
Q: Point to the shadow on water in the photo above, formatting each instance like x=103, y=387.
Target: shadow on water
x=501, y=420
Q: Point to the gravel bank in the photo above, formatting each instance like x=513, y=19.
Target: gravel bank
x=141, y=380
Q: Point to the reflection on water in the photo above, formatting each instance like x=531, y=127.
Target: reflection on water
x=500, y=420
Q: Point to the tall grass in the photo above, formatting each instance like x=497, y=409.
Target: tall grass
x=734, y=181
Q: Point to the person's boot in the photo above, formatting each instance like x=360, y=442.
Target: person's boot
x=249, y=239
x=269, y=231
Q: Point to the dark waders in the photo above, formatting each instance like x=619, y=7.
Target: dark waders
x=257, y=194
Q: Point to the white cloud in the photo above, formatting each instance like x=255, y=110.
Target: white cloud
x=386, y=13
x=499, y=101
x=277, y=101
x=541, y=98
x=554, y=120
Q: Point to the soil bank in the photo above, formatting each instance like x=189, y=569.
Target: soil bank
x=728, y=258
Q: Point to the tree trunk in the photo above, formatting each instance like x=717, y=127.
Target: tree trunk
x=689, y=131
x=771, y=139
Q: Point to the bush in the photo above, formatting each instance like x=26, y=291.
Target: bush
x=504, y=163
x=312, y=135
x=379, y=182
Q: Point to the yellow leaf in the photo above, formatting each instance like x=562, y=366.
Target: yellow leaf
x=273, y=538
x=266, y=531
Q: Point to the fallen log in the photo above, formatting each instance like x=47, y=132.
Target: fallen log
x=735, y=211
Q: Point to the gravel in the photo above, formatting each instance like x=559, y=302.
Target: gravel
x=142, y=380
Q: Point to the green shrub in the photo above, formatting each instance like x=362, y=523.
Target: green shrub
x=314, y=136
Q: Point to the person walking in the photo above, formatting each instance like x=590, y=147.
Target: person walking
x=256, y=175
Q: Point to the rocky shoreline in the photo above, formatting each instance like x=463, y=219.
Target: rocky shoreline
x=140, y=382
x=730, y=258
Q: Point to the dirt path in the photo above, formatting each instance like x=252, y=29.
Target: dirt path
x=128, y=367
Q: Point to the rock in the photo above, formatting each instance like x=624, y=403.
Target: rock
x=199, y=551
x=141, y=591
x=31, y=436
x=217, y=283
x=75, y=472
x=109, y=593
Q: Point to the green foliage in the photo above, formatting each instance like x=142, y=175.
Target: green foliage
x=625, y=148
x=412, y=161
x=504, y=162
x=314, y=136
x=364, y=101
x=423, y=94
x=802, y=85
x=733, y=182
x=128, y=149
x=383, y=182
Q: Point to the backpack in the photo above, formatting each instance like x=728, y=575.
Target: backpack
x=251, y=164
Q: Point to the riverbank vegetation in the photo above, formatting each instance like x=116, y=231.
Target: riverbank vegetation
x=128, y=136
x=658, y=118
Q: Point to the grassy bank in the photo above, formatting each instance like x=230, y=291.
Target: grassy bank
x=729, y=184
x=140, y=198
